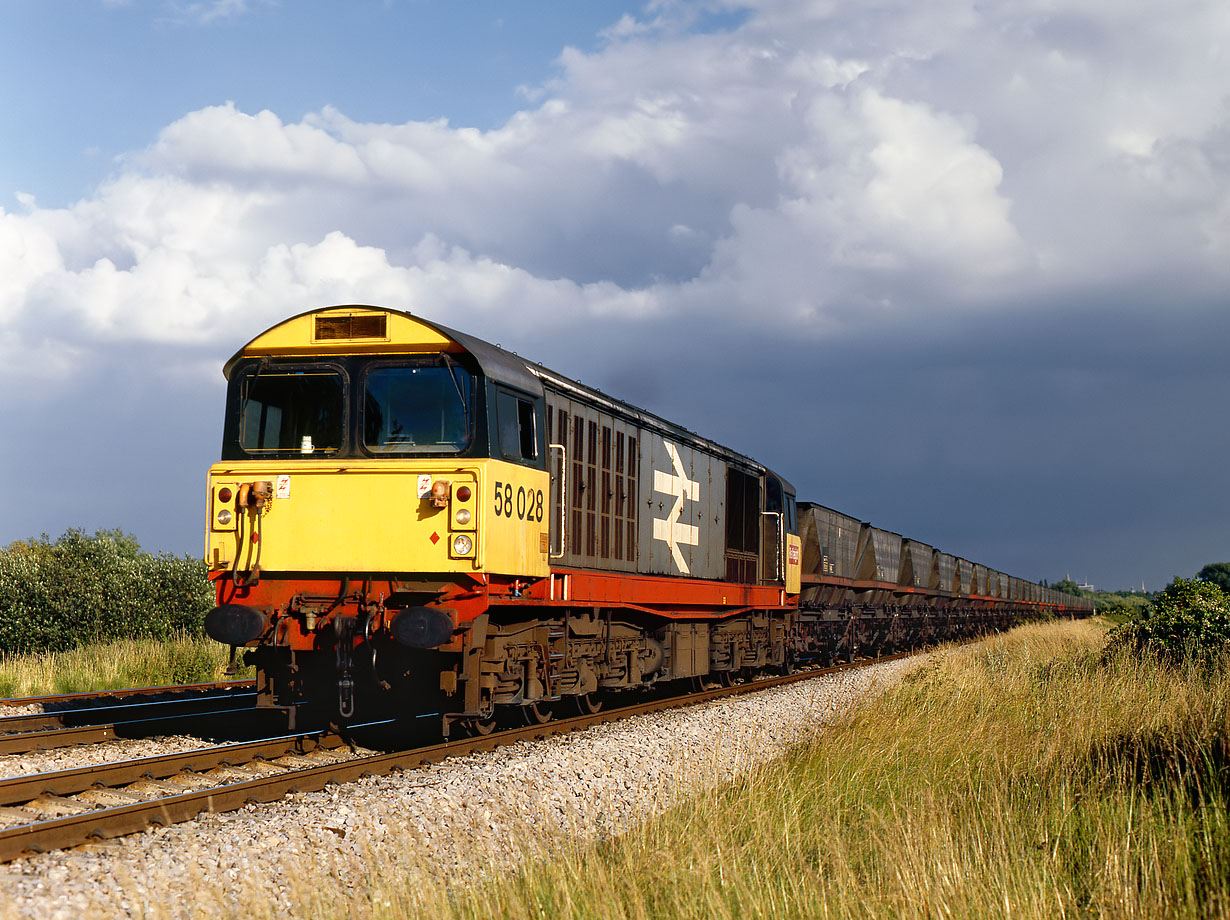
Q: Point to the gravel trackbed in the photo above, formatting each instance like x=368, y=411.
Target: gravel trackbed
x=485, y=810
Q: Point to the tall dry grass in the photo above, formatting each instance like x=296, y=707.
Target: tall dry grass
x=114, y=665
x=1025, y=776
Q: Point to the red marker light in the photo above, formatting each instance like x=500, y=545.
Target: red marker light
x=224, y=494
x=463, y=493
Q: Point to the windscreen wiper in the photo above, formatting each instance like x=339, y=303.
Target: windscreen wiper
x=247, y=394
x=465, y=406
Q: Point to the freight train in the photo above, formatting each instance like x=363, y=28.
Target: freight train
x=408, y=520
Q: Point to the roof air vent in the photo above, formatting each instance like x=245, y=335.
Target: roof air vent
x=351, y=326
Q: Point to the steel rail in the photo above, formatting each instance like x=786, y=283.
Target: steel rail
x=87, y=695
x=19, y=789
x=53, y=738
x=115, y=821
x=98, y=715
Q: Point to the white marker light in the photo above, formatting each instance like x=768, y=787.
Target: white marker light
x=463, y=516
x=224, y=517
x=462, y=544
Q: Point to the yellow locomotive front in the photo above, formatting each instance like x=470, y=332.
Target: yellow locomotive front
x=376, y=472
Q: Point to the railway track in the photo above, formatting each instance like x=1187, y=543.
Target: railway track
x=58, y=701
x=44, y=731
x=68, y=808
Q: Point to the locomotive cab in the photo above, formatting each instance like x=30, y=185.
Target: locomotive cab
x=413, y=427
x=372, y=467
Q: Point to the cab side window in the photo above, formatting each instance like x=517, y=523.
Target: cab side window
x=517, y=426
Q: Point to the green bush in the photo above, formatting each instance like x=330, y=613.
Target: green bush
x=1190, y=620
x=1216, y=572
x=78, y=589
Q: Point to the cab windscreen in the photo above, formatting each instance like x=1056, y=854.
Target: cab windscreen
x=420, y=408
x=289, y=410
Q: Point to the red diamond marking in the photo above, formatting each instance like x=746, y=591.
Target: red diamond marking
x=435, y=537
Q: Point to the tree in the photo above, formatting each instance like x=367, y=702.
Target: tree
x=1189, y=620
x=78, y=589
x=1067, y=586
x=1216, y=572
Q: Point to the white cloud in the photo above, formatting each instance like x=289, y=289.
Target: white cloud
x=822, y=165
x=207, y=11
x=222, y=142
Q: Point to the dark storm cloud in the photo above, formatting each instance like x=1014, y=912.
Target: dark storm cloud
x=126, y=446
x=957, y=270
x=1085, y=438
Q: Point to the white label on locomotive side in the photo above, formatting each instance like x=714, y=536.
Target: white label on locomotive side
x=424, y=484
x=283, y=487
x=669, y=529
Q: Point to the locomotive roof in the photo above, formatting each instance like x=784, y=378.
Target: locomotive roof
x=296, y=337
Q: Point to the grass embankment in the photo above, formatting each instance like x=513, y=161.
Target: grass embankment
x=1025, y=776
x=114, y=665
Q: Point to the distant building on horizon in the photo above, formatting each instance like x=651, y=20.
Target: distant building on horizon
x=1083, y=587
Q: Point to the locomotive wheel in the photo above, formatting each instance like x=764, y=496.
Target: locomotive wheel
x=537, y=713
x=479, y=727
x=588, y=703
x=714, y=680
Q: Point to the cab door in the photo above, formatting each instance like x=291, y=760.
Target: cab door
x=772, y=533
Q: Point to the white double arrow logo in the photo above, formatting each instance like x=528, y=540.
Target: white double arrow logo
x=669, y=529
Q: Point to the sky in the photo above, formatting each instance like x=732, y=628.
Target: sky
x=960, y=269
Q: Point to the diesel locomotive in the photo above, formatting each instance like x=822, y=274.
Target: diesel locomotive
x=409, y=520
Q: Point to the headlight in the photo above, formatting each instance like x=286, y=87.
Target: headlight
x=224, y=516
x=462, y=544
x=463, y=516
